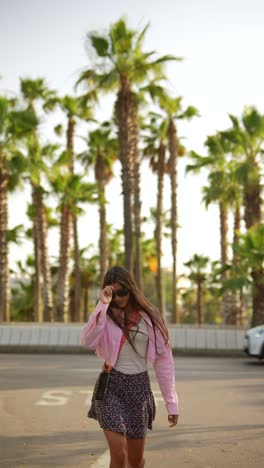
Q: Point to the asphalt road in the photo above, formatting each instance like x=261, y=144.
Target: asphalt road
x=45, y=398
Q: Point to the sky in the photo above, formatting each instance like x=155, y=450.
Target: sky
x=222, y=46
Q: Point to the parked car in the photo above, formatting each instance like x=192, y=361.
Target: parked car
x=254, y=342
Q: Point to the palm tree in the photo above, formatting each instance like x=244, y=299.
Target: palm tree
x=246, y=139
x=218, y=191
x=250, y=250
x=237, y=315
x=223, y=190
x=102, y=153
x=15, y=123
x=174, y=112
x=36, y=168
x=197, y=265
x=76, y=109
x=36, y=92
x=71, y=191
x=122, y=66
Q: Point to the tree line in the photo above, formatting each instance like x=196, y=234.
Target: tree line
x=144, y=125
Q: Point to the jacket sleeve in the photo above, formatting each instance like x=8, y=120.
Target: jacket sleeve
x=94, y=328
x=164, y=370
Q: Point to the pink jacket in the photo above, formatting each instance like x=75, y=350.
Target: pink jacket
x=104, y=336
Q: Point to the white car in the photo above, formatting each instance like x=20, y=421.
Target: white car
x=254, y=342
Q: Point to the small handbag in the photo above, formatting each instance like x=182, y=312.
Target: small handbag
x=103, y=383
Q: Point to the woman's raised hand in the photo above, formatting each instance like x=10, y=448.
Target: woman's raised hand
x=106, y=295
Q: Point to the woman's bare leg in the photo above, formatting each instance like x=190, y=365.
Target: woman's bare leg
x=135, y=452
x=118, y=449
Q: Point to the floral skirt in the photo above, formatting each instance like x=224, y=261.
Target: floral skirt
x=128, y=407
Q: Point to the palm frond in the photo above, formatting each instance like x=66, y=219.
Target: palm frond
x=189, y=113
x=141, y=36
x=100, y=44
x=90, y=77
x=167, y=58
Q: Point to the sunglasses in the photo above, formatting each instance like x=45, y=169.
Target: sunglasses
x=120, y=293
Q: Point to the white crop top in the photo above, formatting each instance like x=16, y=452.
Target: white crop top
x=130, y=362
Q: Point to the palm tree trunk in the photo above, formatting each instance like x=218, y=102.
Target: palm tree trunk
x=258, y=297
x=137, y=221
x=237, y=222
x=227, y=302
x=200, y=303
x=123, y=122
x=86, y=304
x=237, y=310
x=173, y=149
x=133, y=138
x=103, y=240
x=76, y=303
x=158, y=230
x=70, y=138
x=37, y=308
x=42, y=235
x=253, y=203
x=63, y=281
x=77, y=274
x=223, y=232
x=240, y=309
x=4, y=266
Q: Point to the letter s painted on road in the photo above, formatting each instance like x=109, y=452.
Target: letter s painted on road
x=54, y=398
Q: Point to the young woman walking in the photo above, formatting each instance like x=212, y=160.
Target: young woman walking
x=127, y=331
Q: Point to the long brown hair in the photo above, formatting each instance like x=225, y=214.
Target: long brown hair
x=118, y=274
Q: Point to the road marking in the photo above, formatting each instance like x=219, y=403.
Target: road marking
x=103, y=461
x=56, y=397
x=89, y=394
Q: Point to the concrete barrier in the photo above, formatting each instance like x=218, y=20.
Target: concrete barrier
x=57, y=337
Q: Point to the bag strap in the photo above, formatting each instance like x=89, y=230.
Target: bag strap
x=106, y=366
